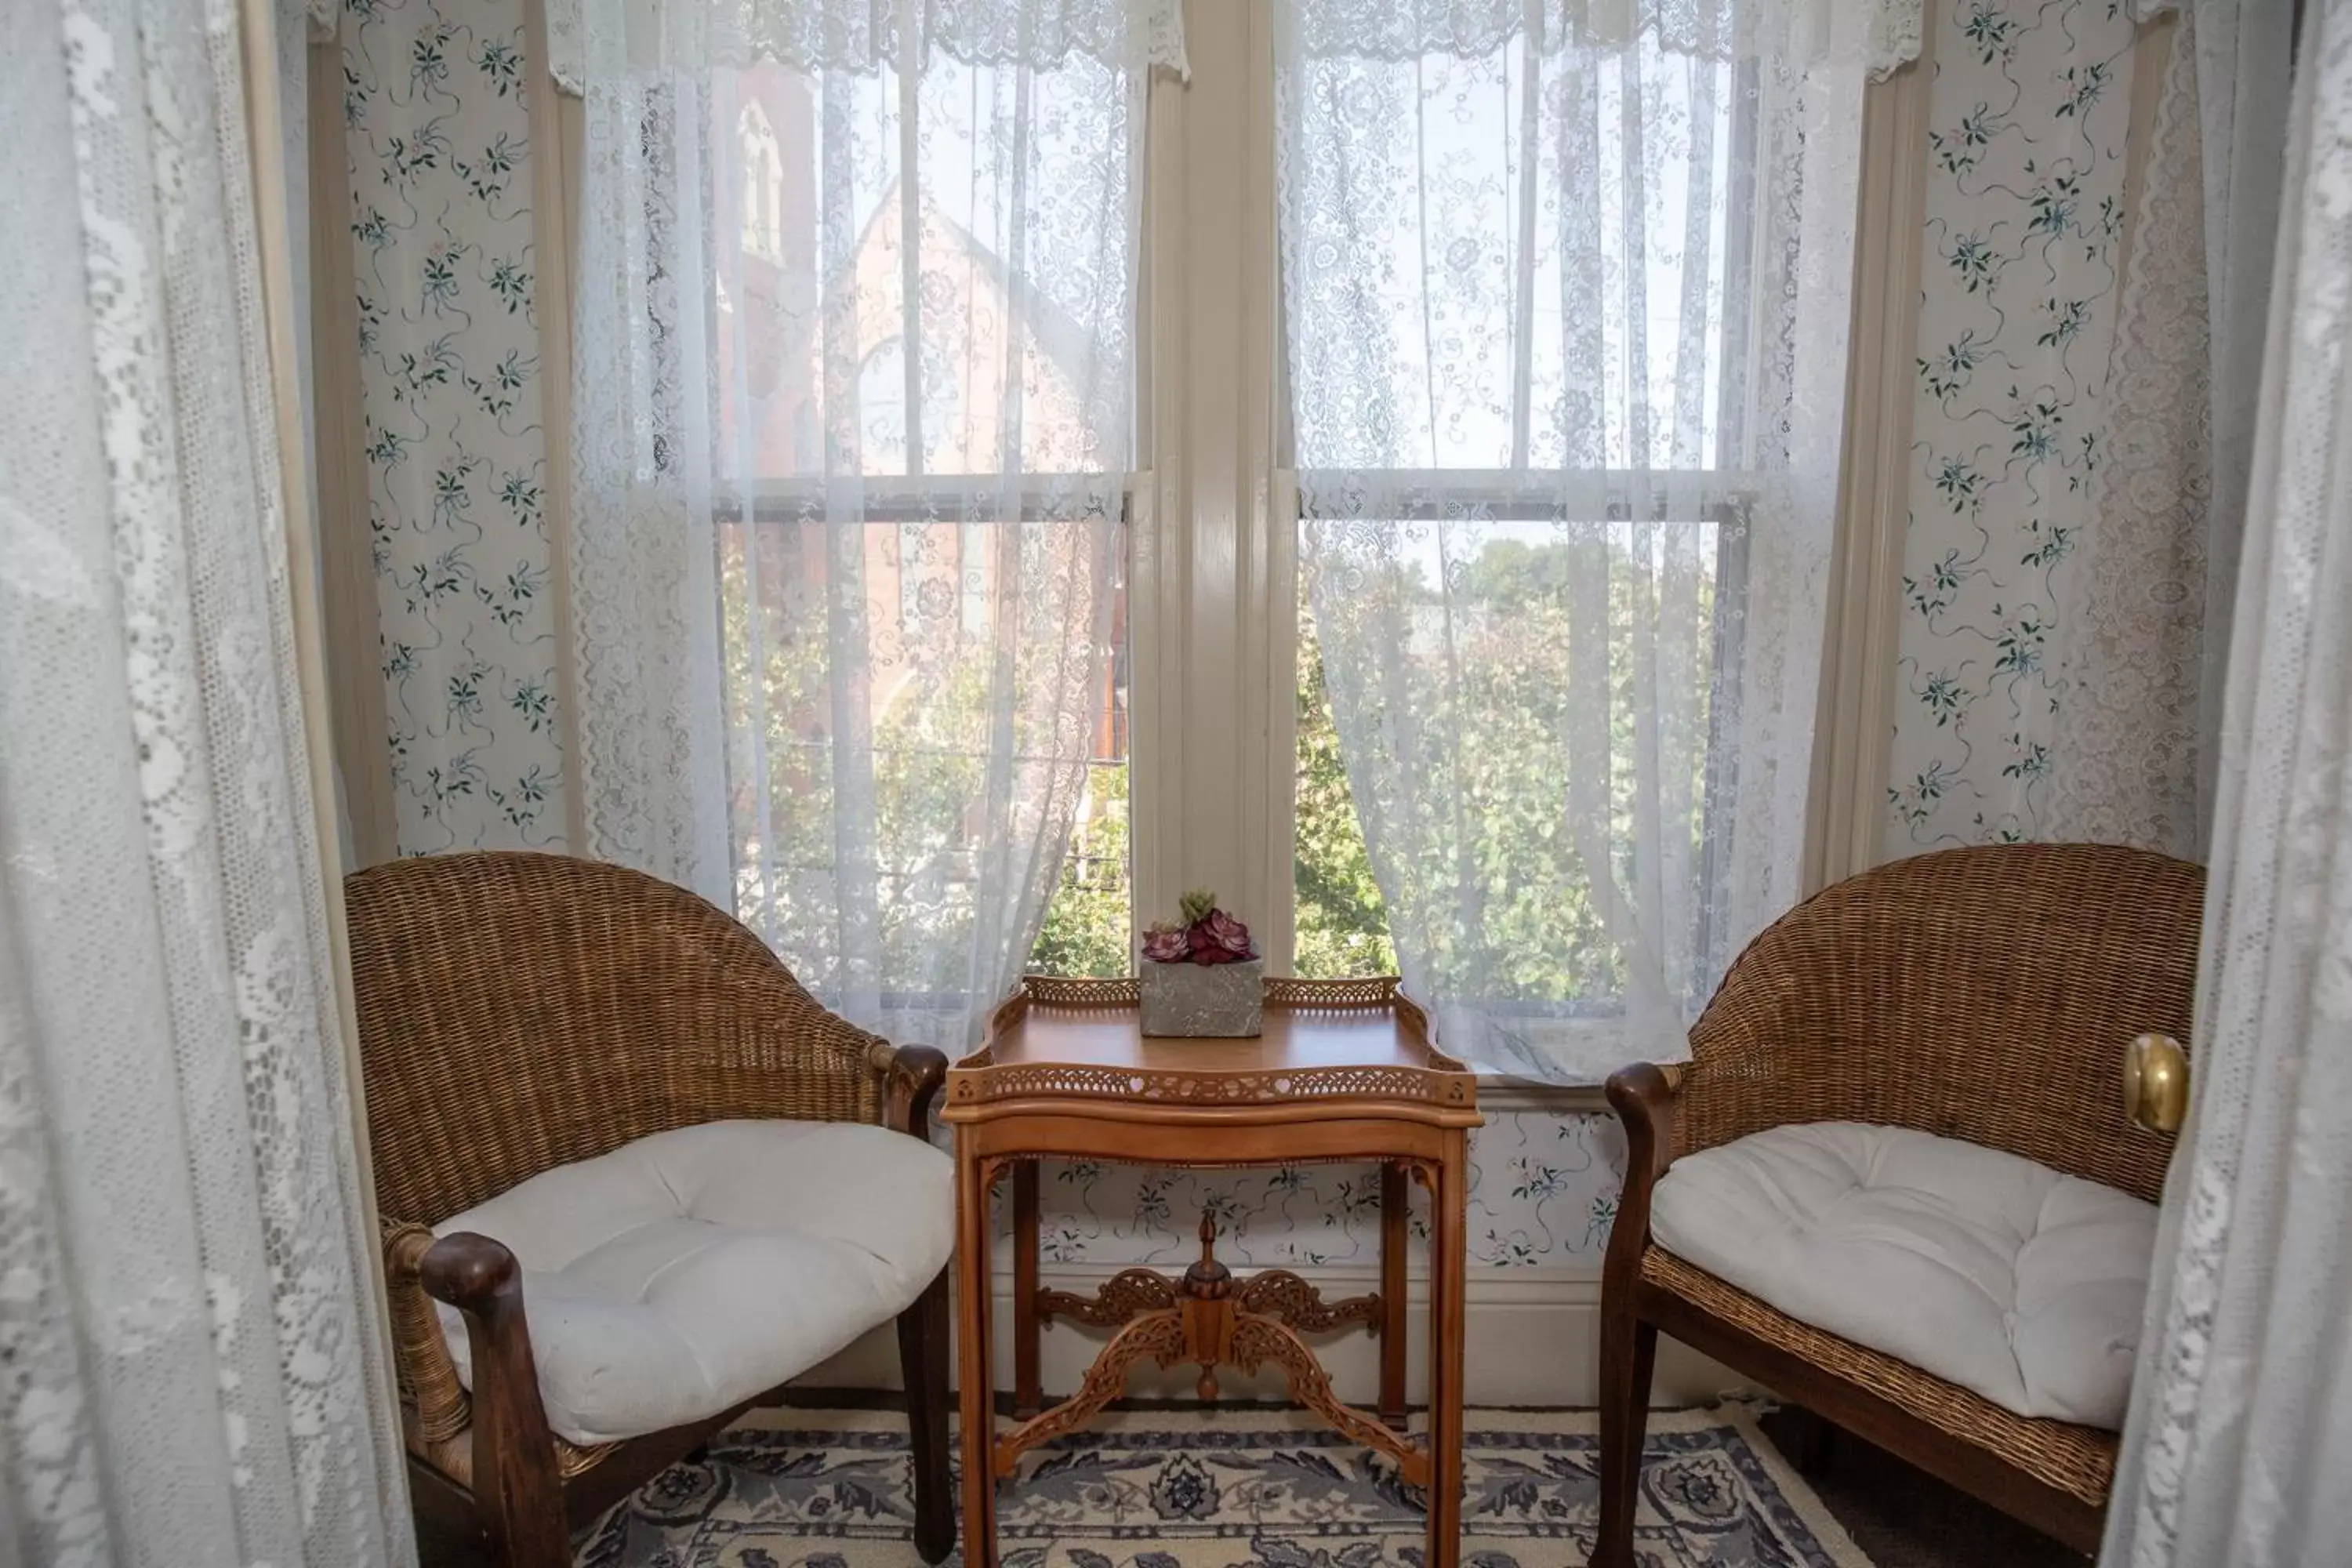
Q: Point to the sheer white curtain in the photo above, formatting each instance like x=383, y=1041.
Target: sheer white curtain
x=1568, y=295
x=2240, y=1436
x=188, y=1325
x=853, y=421
x=2144, y=624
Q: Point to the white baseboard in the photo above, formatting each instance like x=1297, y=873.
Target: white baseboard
x=1533, y=1339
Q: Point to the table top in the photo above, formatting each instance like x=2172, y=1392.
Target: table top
x=1065, y=1043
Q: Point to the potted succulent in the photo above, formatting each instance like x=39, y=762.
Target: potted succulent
x=1201, y=976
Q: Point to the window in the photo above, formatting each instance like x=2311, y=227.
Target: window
x=882, y=406
x=920, y=408
x=1090, y=925
x=1422, y=559
x=763, y=185
x=1554, y=308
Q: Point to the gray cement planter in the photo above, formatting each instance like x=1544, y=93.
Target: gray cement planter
x=1203, y=1001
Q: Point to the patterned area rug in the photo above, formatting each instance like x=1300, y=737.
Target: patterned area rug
x=1224, y=1489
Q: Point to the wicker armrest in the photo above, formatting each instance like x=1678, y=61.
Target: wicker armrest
x=428, y=1377
x=1648, y=1101
x=911, y=1077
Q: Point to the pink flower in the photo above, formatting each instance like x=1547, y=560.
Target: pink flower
x=1225, y=931
x=1166, y=944
x=1218, y=938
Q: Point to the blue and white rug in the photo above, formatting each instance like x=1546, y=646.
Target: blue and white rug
x=1225, y=1489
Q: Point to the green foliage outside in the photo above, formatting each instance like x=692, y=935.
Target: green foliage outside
x=922, y=763
x=1538, y=936
x=1086, y=930
x=1341, y=927
x=1528, y=787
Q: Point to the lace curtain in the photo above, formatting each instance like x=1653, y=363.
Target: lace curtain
x=2239, y=1436
x=1875, y=34
x=1568, y=314
x=853, y=413
x=188, y=1325
x=2140, y=640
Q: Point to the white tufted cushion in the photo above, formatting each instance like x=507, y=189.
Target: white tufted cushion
x=686, y=1272
x=1989, y=1270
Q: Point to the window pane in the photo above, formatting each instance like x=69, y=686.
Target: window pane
x=851, y=264
x=1475, y=284
x=1506, y=770
x=1341, y=927
x=1089, y=926
x=1566, y=311
x=915, y=337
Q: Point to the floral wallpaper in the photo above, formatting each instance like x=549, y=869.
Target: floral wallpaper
x=439, y=132
x=1543, y=1190
x=2030, y=112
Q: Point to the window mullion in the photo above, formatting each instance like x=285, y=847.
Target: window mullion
x=1213, y=580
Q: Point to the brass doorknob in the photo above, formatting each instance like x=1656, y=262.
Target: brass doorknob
x=2155, y=1082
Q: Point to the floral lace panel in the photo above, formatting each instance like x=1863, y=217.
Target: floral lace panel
x=2236, y=1448
x=1567, y=335
x=852, y=404
x=194, y=1368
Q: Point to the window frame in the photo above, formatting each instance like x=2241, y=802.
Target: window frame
x=1212, y=568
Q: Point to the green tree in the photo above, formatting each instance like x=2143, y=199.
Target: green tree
x=1505, y=825
x=1341, y=925
x=1087, y=928
x=1495, y=737
x=1341, y=928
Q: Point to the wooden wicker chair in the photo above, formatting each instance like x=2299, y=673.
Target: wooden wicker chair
x=1984, y=994
x=519, y=1011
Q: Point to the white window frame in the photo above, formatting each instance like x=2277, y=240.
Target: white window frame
x=1213, y=572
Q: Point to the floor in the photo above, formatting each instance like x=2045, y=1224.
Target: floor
x=1898, y=1516
x=1904, y=1519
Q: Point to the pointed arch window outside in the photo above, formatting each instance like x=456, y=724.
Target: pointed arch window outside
x=763, y=181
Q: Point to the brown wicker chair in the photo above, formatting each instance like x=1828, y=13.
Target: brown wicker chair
x=519, y=1012
x=1982, y=994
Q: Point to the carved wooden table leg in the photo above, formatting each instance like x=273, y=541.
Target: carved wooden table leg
x=1344, y=1071
x=1211, y=1318
x=1448, y=1271
x=1395, y=1189
x=975, y=1378
x=1028, y=1390
x=1208, y=1302
x=1126, y=1293
x=1159, y=1334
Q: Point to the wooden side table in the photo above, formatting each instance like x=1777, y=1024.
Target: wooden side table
x=1344, y=1072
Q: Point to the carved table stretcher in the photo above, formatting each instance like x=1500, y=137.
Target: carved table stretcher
x=1343, y=1072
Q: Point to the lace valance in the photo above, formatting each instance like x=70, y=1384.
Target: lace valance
x=1878, y=34
x=858, y=35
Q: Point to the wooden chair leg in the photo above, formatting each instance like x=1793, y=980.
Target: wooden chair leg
x=923, y=1366
x=1629, y=1350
